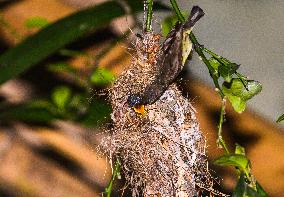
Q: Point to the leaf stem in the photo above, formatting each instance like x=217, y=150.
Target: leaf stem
x=115, y=174
x=280, y=118
x=177, y=11
x=149, y=15
x=220, y=141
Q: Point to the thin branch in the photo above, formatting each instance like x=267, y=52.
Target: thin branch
x=149, y=15
x=177, y=11
x=115, y=174
x=220, y=141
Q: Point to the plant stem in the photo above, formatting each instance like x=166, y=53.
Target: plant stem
x=199, y=51
x=115, y=173
x=177, y=11
x=212, y=53
x=149, y=15
x=220, y=140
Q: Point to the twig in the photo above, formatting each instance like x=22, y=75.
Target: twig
x=115, y=174
x=149, y=15
x=220, y=140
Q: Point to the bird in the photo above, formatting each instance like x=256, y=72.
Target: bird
x=174, y=52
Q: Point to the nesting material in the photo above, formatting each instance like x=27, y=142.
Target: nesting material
x=162, y=151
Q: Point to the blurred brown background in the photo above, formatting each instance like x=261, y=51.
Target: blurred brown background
x=62, y=160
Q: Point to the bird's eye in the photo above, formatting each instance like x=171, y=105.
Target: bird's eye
x=134, y=99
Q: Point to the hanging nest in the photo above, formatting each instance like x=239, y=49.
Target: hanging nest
x=159, y=145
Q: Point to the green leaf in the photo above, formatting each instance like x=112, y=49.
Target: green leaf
x=260, y=190
x=36, y=22
x=75, y=108
x=61, y=67
x=280, y=118
x=71, y=53
x=238, y=94
x=78, y=103
x=215, y=64
x=227, y=71
x=243, y=78
x=61, y=96
x=55, y=36
x=169, y=22
x=102, y=77
x=39, y=111
x=243, y=189
x=240, y=150
x=238, y=104
x=240, y=189
x=226, y=68
x=237, y=160
x=250, y=192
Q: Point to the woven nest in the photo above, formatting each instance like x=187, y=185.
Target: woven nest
x=162, y=152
